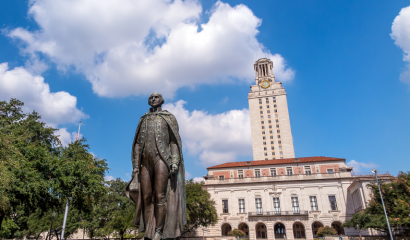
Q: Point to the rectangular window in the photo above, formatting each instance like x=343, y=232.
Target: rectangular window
x=307, y=170
x=276, y=205
x=313, y=203
x=289, y=171
x=329, y=170
x=268, y=111
x=264, y=148
x=333, y=204
x=241, y=205
x=270, y=131
x=257, y=173
x=270, y=121
x=260, y=107
x=262, y=122
x=295, y=205
x=267, y=106
x=280, y=142
x=264, y=137
x=273, y=172
x=258, y=202
x=240, y=173
x=270, y=126
x=280, y=147
x=263, y=127
x=274, y=105
x=263, y=132
x=271, y=137
x=276, y=115
x=278, y=131
x=276, y=111
x=225, y=206
x=273, y=148
x=222, y=177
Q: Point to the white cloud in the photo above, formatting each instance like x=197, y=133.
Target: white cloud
x=199, y=179
x=108, y=178
x=66, y=137
x=54, y=107
x=401, y=36
x=128, y=47
x=360, y=166
x=187, y=175
x=215, y=138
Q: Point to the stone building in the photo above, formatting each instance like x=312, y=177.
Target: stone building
x=286, y=198
x=268, y=110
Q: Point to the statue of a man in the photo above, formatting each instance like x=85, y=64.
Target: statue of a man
x=158, y=178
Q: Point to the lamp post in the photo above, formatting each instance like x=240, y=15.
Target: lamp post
x=203, y=233
x=384, y=208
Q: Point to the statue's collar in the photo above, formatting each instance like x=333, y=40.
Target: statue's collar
x=159, y=109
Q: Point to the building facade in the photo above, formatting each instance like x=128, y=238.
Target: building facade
x=286, y=198
x=268, y=109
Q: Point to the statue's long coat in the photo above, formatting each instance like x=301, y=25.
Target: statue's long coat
x=176, y=198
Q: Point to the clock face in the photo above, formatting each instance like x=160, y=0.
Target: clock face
x=265, y=83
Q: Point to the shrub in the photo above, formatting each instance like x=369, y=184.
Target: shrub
x=236, y=233
x=323, y=231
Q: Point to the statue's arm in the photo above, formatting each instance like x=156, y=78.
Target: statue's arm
x=136, y=157
x=174, y=152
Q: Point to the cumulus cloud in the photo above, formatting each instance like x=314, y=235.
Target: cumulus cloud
x=199, y=179
x=401, y=36
x=128, y=47
x=108, y=178
x=66, y=137
x=361, y=166
x=216, y=138
x=54, y=107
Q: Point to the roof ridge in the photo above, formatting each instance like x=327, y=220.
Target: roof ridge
x=275, y=161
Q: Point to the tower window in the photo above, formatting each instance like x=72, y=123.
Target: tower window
x=267, y=99
x=274, y=101
x=264, y=148
x=270, y=121
x=262, y=122
x=279, y=142
x=273, y=148
x=267, y=106
x=276, y=115
x=263, y=132
x=274, y=105
x=263, y=127
x=269, y=111
x=261, y=112
x=278, y=131
x=276, y=111
x=270, y=131
x=270, y=126
x=260, y=107
x=277, y=120
x=271, y=137
x=264, y=138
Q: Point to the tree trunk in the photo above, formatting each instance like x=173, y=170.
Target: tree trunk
x=121, y=235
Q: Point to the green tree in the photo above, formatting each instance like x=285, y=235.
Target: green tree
x=47, y=173
x=236, y=233
x=122, y=208
x=396, y=196
x=323, y=231
x=201, y=211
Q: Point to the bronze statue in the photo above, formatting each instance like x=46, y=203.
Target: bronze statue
x=157, y=185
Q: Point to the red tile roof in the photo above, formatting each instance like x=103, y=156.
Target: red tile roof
x=275, y=162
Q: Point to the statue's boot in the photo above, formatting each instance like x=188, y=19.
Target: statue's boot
x=157, y=235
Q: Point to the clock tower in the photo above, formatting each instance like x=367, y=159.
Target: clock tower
x=268, y=108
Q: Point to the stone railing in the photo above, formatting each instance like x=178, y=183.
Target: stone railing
x=278, y=213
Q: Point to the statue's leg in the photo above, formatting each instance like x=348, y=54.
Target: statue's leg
x=146, y=187
x=161, y=181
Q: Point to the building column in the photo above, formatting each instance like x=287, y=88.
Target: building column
x=252, y=231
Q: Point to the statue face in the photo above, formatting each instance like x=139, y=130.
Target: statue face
x=155, y=100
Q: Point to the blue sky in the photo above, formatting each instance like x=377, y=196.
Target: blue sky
x=344, y=65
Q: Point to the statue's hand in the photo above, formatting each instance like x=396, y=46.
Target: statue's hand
x=174, y=168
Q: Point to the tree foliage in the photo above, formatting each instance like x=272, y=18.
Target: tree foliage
x=236, y=233
x=323, y=231
x=396, y=196
x=201, y=211
x=38, y=174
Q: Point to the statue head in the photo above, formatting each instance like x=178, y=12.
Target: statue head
x=155, y=100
